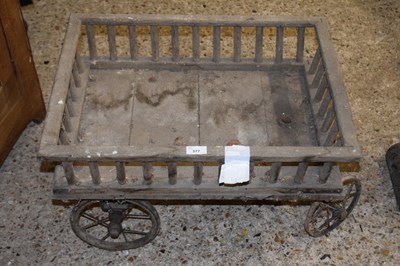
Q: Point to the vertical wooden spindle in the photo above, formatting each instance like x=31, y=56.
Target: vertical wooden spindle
x=315, y=62
x=76, y=76
x=112, y=44
x=91, y=41
x=252, y=172
x=94, y=172
x=67, y=121
x=79, y=62
x=279, y=45
x=121, y=175
x=73, y=90
x=324, y=104
x=69, y=173
x=216, y=44
x=147, y=173
x=259, y=44
x=321, y=89
x=172, y=173
x=70, y=107
x=196, y=43
x=330, y=116
x=132, y=41
x=332, y=135
x=198, y=173
x=318, y=76
x=64, y=140
x=325, y=172
x=175, y=43
x=154, y=43
x=274, y=172
x=300, y=44
x=301, y=171
x=237, y=43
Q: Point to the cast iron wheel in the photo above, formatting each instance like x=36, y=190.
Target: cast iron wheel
x=115, y=225
x=323, y=217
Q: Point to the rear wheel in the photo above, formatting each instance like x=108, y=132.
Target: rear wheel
x=115, y=225
x=323, y=217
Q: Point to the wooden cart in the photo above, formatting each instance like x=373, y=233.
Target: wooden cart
x=143, y=107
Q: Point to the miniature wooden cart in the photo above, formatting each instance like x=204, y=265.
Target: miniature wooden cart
x=133, y=94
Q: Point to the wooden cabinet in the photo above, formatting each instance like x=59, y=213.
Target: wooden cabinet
x=21, y=99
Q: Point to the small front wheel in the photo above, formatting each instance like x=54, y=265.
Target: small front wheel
x=115, y=225
x=323, y=217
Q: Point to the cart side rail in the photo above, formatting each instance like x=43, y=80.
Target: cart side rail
x=276, y=157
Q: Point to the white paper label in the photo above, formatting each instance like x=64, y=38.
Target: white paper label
x=237, y=165
x=196, y=150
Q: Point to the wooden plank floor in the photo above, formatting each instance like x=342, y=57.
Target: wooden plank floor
x=164, y=108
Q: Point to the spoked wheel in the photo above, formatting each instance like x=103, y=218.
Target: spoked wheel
x=115, y=225
x=323, y=217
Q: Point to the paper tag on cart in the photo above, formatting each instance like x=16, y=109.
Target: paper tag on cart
x=236, y=168
x=199, y=150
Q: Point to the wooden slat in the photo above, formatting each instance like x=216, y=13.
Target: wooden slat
x=324, y=104
x=252, y=172
x=301, y=171
x=321, y=90
x=237, y=44
x=69, y=173
x=70, y=107
x=175, y=43
x=214, y=153
x=325, y=172
x=190, y=20
x=315, y=62
x=172, y=173
x=274, y=172
x=318, y=76
x=300, y=44
x=79, y=62
x=332, y=135
x=73, y=90
x=147, y=173
x=216, y=44
x=77, y=77
x=196, y=43
x=259, y=44
x=198, y=173
x=64, y=140
x=154, y=43
x=330, y=116
x=67, y=121
x=121, y=175
x=112, y=44
x=132, y=42
x=279, y=45
x=201, y=64
x=94, y=172
x=91, y=41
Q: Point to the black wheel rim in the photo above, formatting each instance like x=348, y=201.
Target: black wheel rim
x=90, y=221
x=323, y=217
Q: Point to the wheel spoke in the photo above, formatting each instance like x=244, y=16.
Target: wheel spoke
x=98, y=222
x=105, y=237
x=327, y=222
x=124, y=235
x=95, y=220
x=134, y=232
x=138, y=216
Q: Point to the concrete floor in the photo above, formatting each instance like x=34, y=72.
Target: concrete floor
x=366, y=34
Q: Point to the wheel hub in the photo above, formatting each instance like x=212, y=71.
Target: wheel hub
x=115, y=226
